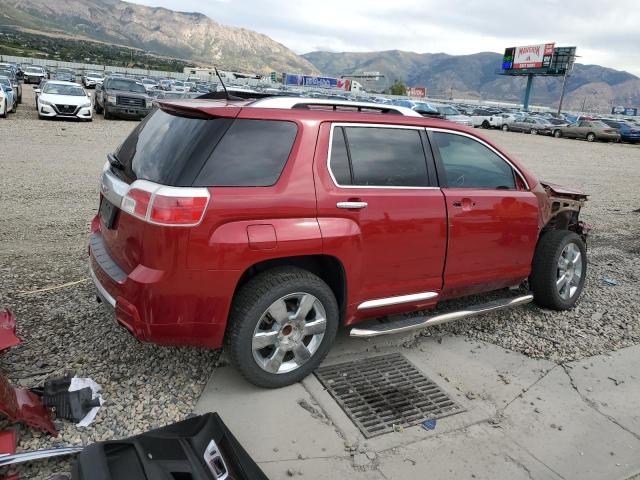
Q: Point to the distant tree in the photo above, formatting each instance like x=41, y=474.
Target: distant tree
x=398, y=88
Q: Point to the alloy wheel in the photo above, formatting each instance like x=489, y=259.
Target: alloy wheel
x=569, y=271
x=289, y=333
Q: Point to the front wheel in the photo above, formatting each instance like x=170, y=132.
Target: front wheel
x=533, y=131
x=557, y=133
x=281, y=326
x=486, y=124
x=559, y=269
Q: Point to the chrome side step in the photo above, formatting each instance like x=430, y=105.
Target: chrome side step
x=416, y=323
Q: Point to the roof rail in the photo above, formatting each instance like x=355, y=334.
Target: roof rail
x=308, y=103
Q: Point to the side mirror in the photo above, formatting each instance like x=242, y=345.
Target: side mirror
x=37, y=90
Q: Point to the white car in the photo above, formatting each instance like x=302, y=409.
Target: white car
x=7, y=103
x=149, y=84
x=91, y=79
x=63, y=99
x=179, y=86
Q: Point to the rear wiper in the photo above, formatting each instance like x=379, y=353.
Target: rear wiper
x=114, y=162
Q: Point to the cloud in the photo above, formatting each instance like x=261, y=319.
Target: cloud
x=606, y=33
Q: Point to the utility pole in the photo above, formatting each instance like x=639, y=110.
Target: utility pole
x=564, y=84
x=527, y=93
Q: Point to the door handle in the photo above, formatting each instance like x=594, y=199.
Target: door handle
x=465, y=203
x=352, y=205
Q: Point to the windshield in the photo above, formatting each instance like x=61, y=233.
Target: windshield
x=125, y=86
x=5, y=81
x=146, y=81
x=33, y=70
x=66, y=70
x=448, y=111
x=423, y=107
x=59, y=89
x=178, y=84
x=93, y=75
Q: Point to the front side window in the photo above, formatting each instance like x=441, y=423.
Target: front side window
x=468, y=163
x=378, y=156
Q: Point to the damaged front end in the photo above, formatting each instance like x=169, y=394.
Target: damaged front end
x=560, y=208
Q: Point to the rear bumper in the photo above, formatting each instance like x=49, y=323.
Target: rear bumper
x=178, y=307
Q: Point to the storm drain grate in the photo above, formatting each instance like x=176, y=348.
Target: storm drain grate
x=386, y=392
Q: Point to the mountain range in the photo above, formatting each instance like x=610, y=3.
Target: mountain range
x=196, y=37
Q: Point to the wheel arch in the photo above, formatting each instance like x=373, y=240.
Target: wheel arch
x=329, y=268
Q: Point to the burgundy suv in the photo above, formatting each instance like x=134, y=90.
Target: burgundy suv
x=265, y=225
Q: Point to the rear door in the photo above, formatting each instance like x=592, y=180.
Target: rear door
x=493, y=217
x=382, y=214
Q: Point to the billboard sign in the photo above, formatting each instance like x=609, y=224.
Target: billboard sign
x=295, y=79
x=626, y=111
x=529, y=56
x=417, y=92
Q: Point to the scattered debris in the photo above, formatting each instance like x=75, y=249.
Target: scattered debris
x=609, y=281
x=37, y=455
x=504, y=378
x=429, y=424
x=73, y=398
x=21, y=405
x=7, y=442
x=8, y=336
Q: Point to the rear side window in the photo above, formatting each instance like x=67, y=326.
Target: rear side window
x=252, y=153
x=378, y=156
x=468, y=163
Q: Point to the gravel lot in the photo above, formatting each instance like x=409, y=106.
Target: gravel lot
x=49, y=193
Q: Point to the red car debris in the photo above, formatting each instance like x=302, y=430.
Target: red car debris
x=20, y=405
x=8, y=336
x=265, y=225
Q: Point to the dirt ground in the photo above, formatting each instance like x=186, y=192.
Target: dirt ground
x=49, y=193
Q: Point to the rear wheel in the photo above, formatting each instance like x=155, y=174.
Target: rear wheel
x=505, y=128
x=281, y=326
x=557, y=133
x=591, y=137
x=559, y=270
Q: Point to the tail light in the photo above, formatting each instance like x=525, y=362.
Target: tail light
x=168, y=206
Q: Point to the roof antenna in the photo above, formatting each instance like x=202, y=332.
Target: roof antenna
x=226, y=94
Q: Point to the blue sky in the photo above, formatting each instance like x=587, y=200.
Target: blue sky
x=606, y=32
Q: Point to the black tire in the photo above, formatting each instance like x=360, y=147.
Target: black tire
x=505, y=128
x=97, y=107
x=107, y=115
x=20, y=99
x=557, y=133
x=14, y=109
x=486, y=124
x=544, y=271
x=253, y=300
x=533, y=131
x=4, y=115
x=591, y=137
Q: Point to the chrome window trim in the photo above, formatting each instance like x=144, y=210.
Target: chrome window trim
x=368, y=125
x=112, y=187
x=390, y=301
x=463, y=134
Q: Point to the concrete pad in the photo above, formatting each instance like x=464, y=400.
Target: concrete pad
x=611, y=383
x=319, y=469
x=270, y=424
x=567, y=434
x=476, y=452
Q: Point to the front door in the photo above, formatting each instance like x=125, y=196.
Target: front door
x=382, y=214
x=493, y=217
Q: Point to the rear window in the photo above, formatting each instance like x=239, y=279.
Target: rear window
x=186, y=151
x=169, y=149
